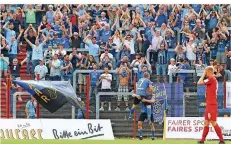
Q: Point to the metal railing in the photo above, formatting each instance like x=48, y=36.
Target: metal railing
x=108, y=94
x=180, y=71
x=75, y=83
x=15, y=102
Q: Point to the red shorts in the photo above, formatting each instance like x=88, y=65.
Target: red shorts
x=211, y=113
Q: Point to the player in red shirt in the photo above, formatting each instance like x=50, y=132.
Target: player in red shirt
x=211, y=104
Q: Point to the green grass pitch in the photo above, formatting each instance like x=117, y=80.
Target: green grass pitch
x=117, y=141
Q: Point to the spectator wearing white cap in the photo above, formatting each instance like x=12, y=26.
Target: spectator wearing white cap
x=75, y=40
x=50, y=15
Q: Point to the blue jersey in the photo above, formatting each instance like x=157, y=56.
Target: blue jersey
x=144, y=108
x=142, y=87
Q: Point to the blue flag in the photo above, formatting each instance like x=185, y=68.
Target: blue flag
x=170, y=97
x=52, y=95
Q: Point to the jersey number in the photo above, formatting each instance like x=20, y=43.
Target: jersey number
x=141, y=82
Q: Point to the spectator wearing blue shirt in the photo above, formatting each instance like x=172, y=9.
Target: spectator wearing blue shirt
x=212, y=21
x=96, y=11
x=213, y=49
x=94, y=48
x=201, y=55
x=105, y=34
x=147, y=32
x=31, y=108
x=48, y=31
x=160, y=18
x=80, y=10
x=143, y=67
x=171, y=42
x=183, y=65
x=196, y=7
x=65, y=40
x=50, y=15
x=147, y=17
x=221, y=43
x=192, y=22
x=13, y=44
x=9, y=32
x=125, y=51
x=94, y=78
x=58, y=28
x=81, y=111
x=37, y=51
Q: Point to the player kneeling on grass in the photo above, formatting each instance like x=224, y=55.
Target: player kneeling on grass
x=143, y=89
x=144, y=115
x=211, y=104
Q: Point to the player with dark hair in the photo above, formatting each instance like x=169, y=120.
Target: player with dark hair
x=144, y=89
x=211, y=104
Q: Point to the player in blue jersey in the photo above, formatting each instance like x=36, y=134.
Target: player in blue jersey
x=144, y=90
x=143, y=116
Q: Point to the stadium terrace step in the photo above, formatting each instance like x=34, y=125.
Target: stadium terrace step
x=130, y=134
x=146, y=128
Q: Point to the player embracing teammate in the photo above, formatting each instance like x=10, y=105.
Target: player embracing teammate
x=144, y=95
x=211, y=104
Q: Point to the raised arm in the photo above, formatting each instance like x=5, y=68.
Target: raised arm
x=20, y=34
x=24, y=60
x=201, y=80
x=25, y=37
x=5, y=25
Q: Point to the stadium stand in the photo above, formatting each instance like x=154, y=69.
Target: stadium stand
x=165, y=40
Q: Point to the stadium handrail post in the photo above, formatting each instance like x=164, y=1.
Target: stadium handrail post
x=134, y=118
x=87, y=96
x=8, y=96
x=165, y=114
x=38, y=106
x=224, y=92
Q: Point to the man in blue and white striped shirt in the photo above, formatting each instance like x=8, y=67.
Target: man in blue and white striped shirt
x=162, y=60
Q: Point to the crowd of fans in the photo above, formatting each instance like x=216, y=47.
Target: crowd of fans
x=131, y=39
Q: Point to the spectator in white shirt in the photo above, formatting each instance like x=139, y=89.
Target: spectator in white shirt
x=40, y=70
x=55, y=71
x=105, y=79
x=156, y=41
x=190, y=49
x=131, y=43
x=106, y=59
x=61, y=51
x=172, y=66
